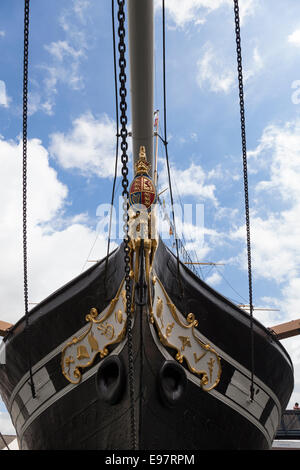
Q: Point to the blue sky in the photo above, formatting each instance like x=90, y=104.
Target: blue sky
x=71, y=131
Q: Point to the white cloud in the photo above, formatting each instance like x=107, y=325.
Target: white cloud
x=212, y=70
x=284, y=142
x=192, y=181
x=213, y=279
x=42, y=179
x=89, y=146
x=57, y=246
x=66, y=55
x=197, y=11
x=65, y=67
x=274, y=245
x=290, y=305
x=294, y=38
x=247, y=8
x=275, y=230
x=71, y=16
x=275, y=234
x=256, y=65
x=62, y=49
x=80, y=7
x=4, y=99
x=36, y=103
x=199, y=239
x=220, y=75
x=6, y=426
x=2, y=33
x=257, y=59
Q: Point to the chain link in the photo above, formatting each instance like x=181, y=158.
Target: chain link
x=25, y=112
x=25, y=99
x=245, y=172
x=125, y=194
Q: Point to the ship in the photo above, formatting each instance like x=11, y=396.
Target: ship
x=137, y=352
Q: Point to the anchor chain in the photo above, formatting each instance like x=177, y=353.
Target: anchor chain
x=25, y=113
x=245, y=172
x=125, y=194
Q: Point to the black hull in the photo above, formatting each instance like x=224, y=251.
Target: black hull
x=73, y=416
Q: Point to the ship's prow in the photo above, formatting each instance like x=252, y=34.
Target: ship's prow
x=80, y=406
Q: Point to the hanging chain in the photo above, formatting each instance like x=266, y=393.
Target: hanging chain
x=25, y=99
x=25, y=112
x=244, y=150
x=125, y=194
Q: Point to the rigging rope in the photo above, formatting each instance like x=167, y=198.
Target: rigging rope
x=245, y=172
x=201, y=276
x=117, y=139
x=166, y=147
x=25, y=101
x=125, y=194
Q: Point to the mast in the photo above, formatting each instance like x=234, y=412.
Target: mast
x=141, y=51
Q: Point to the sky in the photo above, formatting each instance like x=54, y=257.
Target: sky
x=71, y=147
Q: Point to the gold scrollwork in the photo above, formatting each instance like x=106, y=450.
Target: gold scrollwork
x=93, y=342
x=159, y=310
x=88, y=344
x=82, y=352
x=169, y=329
x=189, y=346
x=185, y=340
x=119, y=316
x=107, y=330
x=197, y=358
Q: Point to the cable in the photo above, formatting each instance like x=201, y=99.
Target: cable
x=117, y=149
x=117, y=140
x=228, y=283
x=201, y=275
x=166, y=145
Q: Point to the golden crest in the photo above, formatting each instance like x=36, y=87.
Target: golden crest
x=142, y=166
x=142, y=190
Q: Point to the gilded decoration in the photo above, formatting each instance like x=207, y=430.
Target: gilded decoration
x=142, y=226
x=103, y=330
x=180, y=334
